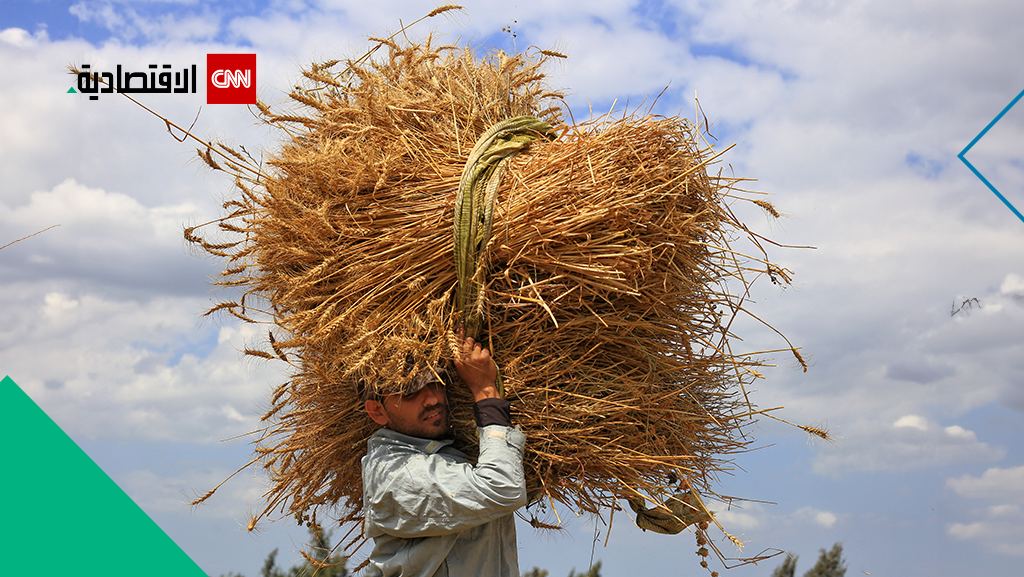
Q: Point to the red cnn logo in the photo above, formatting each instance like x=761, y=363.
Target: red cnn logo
x=231, y=79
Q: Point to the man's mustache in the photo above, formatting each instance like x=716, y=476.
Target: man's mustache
x=433, y=408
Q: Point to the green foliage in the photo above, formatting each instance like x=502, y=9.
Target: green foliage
x=830, y=564
x=595, y=571
x=320, y=550
x=269, y=566
x=788, y=567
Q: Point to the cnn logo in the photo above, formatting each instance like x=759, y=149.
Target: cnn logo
x=231, y=79
x=228, y=79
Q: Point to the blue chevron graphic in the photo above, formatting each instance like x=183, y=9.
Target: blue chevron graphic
x=975, y=170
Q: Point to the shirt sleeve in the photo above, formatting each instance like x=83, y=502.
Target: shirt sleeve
x=426, y=495
x=493, y=412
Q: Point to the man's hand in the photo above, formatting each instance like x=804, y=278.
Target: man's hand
x=477, y=369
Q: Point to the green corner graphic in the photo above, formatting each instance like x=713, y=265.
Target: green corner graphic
x=72, y=90
x=63, y=514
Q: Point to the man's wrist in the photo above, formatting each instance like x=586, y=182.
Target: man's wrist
x=488, y=392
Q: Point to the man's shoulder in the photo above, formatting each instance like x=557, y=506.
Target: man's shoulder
x=392, y=457
x=386, y=447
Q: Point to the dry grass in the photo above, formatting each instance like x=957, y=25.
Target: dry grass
x=606, y=299
x=29, y=236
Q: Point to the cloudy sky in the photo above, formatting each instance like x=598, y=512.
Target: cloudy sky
x=851, y=113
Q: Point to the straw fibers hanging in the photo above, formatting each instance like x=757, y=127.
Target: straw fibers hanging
x=604, y=281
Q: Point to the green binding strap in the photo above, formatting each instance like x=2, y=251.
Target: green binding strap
x=670, y=518
x=474, y=211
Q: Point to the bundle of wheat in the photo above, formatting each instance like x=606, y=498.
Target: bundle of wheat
x=601, y=288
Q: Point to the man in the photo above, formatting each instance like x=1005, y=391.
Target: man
x=429, y=510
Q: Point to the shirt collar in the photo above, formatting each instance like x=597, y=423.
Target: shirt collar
x=428, y=446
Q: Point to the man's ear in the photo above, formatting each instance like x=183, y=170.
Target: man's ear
x=375, y=409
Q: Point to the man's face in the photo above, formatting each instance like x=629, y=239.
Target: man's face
x=422, y=414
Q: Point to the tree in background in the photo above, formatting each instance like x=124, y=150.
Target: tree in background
x=595, y=571
x=270, y=566
x=788, y=567
x=320, y=551
x=830, y=564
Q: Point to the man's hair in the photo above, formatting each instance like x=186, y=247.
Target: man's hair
x=367, y=393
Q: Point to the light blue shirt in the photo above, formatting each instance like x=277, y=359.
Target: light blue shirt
x=431, y=513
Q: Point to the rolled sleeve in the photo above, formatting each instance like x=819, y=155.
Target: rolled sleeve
x=493, y=412
x=415, y=494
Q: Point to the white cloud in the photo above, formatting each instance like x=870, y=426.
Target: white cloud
x=996, y=483
x=106, y=238
x=58, y=306
x=140, y=369
x=1013, y=285
x=19, y=38
x=73, y=203
x=910, y=442
x=825, y=519
x=135, y=22
x=104, y=14
x=912, y=421
x=171, y=494
x=958, y=432
x=819, y=517
x=1000, y=527
x=966, y=531
x=739, y=518
x=897, y=364
x=752, y=516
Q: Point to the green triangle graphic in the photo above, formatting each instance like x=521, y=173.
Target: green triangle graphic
x=63, y=514
x=72, y=90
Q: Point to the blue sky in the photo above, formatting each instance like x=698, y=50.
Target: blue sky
x=850, y=114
